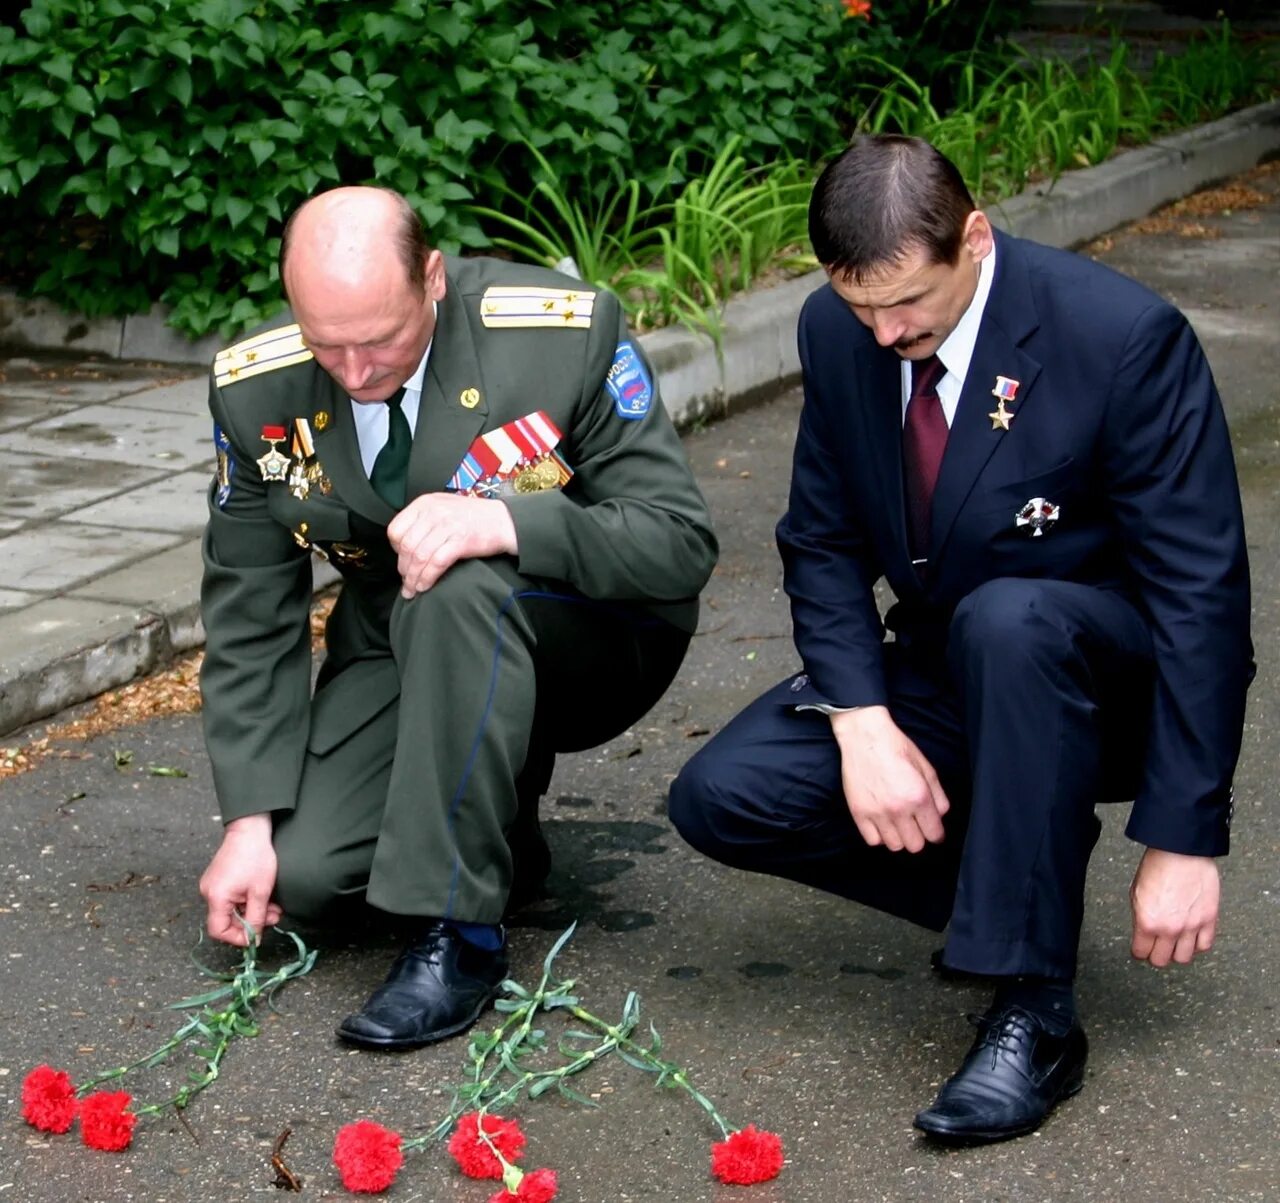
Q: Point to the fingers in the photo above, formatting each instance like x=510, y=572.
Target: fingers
x=222, y=924
x=255, y=914
x=421, y=566
x=909, y=831
x=1184, y=949
x=1181, y=947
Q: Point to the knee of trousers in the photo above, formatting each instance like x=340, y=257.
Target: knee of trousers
x=471, y=592
x=1008, y=623
x=311, y=882
x=701, y=809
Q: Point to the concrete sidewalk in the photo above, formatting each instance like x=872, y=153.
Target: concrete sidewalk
x=104, y=464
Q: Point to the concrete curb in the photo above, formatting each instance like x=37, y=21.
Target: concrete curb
x=94, y=641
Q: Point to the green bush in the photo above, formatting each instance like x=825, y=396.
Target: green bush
x=149, y=151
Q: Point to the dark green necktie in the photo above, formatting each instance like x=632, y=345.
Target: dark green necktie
x=390, y=473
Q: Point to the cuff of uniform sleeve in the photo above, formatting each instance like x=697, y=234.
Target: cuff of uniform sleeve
x=542, y=550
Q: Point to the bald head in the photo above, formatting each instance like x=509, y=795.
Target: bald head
x=348, y=232
x=362, y=283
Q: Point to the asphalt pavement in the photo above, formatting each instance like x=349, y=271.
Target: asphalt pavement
x=798, y=1012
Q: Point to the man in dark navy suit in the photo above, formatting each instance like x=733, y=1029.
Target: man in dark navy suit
x=1030, y=449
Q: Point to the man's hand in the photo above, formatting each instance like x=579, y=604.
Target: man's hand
x=434, y=531
x=1175, y=906
x=892, y=792
x=240, y=879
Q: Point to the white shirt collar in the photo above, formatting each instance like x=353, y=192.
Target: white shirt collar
x=414, y=383
x=957, y=348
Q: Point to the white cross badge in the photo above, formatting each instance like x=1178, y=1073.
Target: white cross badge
x=1037, y=516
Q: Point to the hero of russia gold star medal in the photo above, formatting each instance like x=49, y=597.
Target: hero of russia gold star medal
x=1000, y=417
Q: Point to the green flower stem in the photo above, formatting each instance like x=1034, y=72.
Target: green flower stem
x=218, y=1028
x=152, y=1058
x=660, y=1066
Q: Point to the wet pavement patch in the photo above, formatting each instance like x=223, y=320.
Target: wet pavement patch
x=684, y=973
x=574, y=802
x=764, y=969
x=885, y=975
x=586, y=856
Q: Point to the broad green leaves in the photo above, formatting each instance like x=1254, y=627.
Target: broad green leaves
x=149, y=152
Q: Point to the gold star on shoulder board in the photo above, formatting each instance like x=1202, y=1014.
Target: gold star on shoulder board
x=1001, y=418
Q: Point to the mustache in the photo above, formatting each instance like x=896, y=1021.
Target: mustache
x=905, y=344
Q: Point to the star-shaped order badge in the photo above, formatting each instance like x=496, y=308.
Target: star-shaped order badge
x=1000, y=417
x=274, y=465
x=1005, y=391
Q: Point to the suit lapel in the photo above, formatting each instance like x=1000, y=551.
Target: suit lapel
x=338, y=450
x=1008, y=319
x=446, y=426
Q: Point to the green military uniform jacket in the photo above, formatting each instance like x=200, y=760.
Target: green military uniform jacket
x=630, y=525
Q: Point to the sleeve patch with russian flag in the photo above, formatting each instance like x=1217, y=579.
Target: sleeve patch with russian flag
x=629, y=383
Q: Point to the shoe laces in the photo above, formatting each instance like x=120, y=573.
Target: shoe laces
x=1002, y=1032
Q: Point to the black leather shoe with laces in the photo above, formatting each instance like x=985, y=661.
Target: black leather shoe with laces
x=1015, y=1074
x=438, y=987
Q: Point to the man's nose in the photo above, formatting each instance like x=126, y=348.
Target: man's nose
x=887, y=328
x=357, y=367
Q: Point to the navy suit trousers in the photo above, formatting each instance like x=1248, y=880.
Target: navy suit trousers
x=1031, y=709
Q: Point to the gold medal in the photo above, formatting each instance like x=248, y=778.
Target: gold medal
x=1000, y=416
x=548, y=473
x=526, y=481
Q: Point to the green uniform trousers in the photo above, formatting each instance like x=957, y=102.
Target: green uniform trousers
x=488, y=674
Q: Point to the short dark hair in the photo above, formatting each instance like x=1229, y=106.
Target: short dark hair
x=882, y=197
x=410, y=235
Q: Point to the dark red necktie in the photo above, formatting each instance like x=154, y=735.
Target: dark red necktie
x=924, y=439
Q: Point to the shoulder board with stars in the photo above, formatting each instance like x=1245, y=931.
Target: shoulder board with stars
x=515, y=306
x=265, y=352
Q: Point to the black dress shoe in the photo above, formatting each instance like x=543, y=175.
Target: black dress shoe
x=1014, y=1075
x=437, y=988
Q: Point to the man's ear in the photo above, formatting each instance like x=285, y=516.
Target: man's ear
x=434, y=275
x=978, y=238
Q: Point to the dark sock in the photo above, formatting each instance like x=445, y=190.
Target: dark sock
x=1051, y=999
x=488, y=936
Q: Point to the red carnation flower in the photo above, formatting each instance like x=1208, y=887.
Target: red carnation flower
x=48, y=1099
x=538, y=1186
x=751, y=1155
x=367, y=1156
x=474, y=1157
x=105, y=1122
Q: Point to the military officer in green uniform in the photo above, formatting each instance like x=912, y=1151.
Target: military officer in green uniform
x=481, y=451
